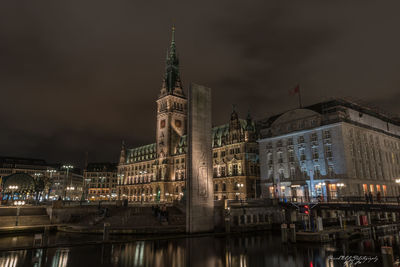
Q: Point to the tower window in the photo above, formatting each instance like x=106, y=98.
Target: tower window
x=162, y=124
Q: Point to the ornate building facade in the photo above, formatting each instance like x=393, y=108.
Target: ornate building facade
x=157, y=172
x=331, y=149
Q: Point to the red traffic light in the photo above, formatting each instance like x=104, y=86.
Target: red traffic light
x=306, y=212
x=306, y=207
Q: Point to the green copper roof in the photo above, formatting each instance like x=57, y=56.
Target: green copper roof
x=142, y=153
x=149, y=152
x=172, y=76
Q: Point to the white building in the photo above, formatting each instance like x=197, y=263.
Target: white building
x=330, y=149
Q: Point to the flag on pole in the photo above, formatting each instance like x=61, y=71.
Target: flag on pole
x=294, y=91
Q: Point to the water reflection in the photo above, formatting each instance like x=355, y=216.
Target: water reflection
x=239, y=251
x=12, y=259
x=156, y=253
x=60, y=258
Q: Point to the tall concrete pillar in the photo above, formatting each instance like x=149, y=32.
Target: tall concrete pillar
x=200, y=199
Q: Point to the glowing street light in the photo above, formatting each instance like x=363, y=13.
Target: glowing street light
x=66, y=167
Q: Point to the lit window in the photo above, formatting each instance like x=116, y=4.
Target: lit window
x=315, y=152
x=292, y=172
x=327, y=134
x=328, y=151
x=314, y=137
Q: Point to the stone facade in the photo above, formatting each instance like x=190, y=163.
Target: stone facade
x=331, y=149
x=157, y=172
x=100, y=181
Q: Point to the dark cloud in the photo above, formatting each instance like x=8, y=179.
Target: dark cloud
x=80, y=76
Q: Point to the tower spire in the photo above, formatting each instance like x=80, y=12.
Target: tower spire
x=173, y=35
x=172, y=81
x=172, y=50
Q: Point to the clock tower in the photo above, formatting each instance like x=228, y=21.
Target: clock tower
x=171, y=109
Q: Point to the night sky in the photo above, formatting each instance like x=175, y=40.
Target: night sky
x=79, y=76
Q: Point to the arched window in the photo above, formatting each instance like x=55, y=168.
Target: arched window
x=223, y=187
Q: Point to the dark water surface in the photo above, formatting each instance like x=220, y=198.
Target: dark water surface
x=250, y=250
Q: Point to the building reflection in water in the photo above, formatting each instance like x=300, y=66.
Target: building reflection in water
x=211, y=251
x=60, y=258
x=234, y=251
x=155, y=253
x=12, y=258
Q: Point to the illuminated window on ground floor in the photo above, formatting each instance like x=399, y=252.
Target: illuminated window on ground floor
x=333, y=190
x=378, y=188
x=271, y=190
x=365, y=188
x=371, y=188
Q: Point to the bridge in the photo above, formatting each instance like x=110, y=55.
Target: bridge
x=386, y=204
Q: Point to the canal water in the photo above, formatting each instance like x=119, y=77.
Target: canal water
x=250, y=250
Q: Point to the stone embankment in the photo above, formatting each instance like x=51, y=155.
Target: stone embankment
x=23, y=216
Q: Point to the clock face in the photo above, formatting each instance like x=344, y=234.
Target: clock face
x=178, y=123
x=162, y=124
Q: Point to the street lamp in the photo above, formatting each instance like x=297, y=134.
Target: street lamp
x=240, y=193
x=86, y=188
x=51, y=172
x=70, y=189
x=12, y=188
x=120, y=183
x=67, y=167
x=37, y=175
x=398, y=182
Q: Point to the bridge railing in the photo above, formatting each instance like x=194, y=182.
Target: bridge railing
x=394, y=200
